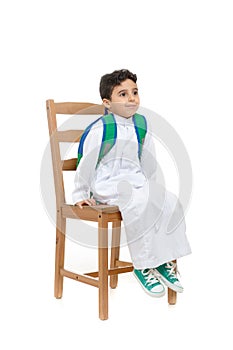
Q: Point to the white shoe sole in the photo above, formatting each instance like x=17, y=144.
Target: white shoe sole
x=152, y=294
x=169, y=284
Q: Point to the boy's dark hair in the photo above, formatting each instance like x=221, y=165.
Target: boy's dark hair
x=109, y=81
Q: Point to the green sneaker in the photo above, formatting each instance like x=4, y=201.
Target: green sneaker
x=167, y=273
x=149, y=282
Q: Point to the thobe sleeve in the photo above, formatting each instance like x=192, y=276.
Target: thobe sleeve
x=148, y=157
x=86, y=169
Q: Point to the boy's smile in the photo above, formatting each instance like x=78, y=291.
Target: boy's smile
x=124, y=100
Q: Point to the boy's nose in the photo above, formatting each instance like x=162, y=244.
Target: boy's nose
x=131, y=97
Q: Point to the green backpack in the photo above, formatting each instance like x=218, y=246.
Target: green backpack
x=110, y=135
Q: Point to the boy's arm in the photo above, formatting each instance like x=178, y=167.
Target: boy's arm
x=89, y=201
x=148, y=157
x=85, y=171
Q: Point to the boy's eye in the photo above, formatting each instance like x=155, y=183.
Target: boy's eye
x=123, y=94
x=135, y=92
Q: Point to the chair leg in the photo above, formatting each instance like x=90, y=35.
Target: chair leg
x=172, y=295
x=103, y=266
x=115, y=250
x=59, y=256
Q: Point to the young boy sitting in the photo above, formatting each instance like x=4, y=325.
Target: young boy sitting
x=120, y=171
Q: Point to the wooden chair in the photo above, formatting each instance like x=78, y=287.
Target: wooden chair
x=102, y=214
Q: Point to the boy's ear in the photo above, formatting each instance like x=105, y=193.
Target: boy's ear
x=106, y=103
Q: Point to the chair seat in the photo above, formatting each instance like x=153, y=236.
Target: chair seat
x=90, y=213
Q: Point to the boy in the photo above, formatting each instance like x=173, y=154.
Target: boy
x=124, y=176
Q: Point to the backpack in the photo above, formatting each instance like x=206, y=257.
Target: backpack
x=110, y=135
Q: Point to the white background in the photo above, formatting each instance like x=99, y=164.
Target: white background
x=182, y=53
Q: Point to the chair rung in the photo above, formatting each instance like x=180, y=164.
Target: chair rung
x=82, y=108
x=113, y=271
x=80, y=278
x=118, y=270
x=69, y=135
x=69, y=164
x=120, y=263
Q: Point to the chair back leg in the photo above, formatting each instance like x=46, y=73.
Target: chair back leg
x=59, y=255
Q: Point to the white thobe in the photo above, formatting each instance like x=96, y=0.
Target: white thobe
x=152, y=216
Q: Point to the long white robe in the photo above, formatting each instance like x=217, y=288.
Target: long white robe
x=153, y=217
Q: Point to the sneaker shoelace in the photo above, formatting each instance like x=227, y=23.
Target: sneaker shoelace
x=150, y=278
x=171, y=268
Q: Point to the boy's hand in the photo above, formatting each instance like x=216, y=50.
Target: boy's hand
x=89, y=201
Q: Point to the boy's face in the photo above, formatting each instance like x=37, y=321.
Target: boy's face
x=124, y=100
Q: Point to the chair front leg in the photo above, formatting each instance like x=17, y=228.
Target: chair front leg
x=172, y=295
x=103, y=266
x=115, y=250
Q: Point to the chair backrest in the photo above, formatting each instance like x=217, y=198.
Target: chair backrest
x=70, y=136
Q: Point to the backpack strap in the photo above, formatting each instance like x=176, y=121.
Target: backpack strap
x=109, y=135
x=140, y=126
x=81, y=142
x=108, y=138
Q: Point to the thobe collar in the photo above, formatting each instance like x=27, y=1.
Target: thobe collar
x=122, y=120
